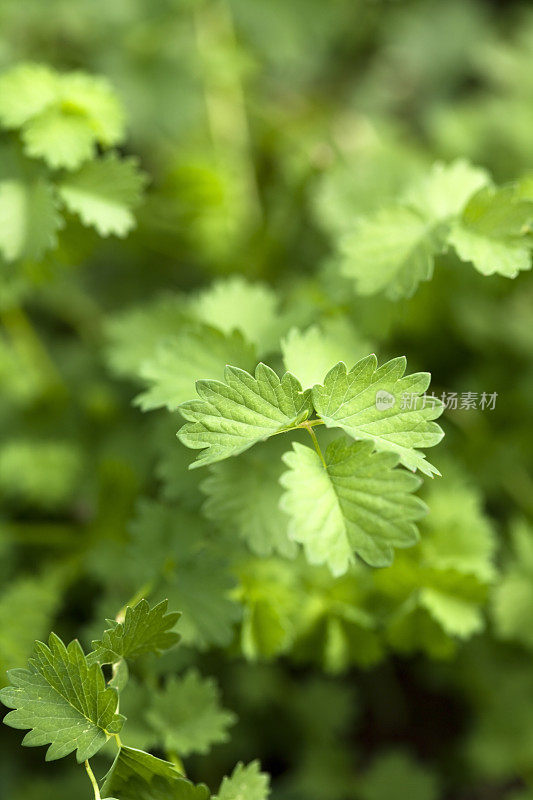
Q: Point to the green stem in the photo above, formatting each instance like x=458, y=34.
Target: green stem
x=94, y=783
x=309, y=428
x=118, y=740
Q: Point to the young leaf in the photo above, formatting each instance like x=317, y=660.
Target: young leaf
x=178, y=362
x=383, y=406
x=94, y=97
x=309, y=354
x=187, y=717
x=144, y=630
x=62, y=140
x=444, y=193
x=391, y=251
x=236, y=304
x=358, y=504
x=104, y=192
x=136, y=775
x=63, y=701
x=29, y=219
x=245, y=783
x=26, y=90
x=490, y=233
x=232, y=416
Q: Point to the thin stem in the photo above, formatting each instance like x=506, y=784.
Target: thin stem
x=118, y=740
x=312, y=434
x=90, y=773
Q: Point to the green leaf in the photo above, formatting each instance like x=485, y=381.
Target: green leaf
x=232, y=416
x=243, y=496
x=444, y=193
x=136, y=775
x=187, y=717
x=26, y=90
x=135, y=334
x=391, y=251
x=178, y=362
x=103, y=193
x=63, y=700
x=491, y=231
x=29, y=219
x=383, y=406
x=94, y=98
x=144, y=630
x=245, y=783
x=357, y=504
x=309, y=354
x=236, y=304
x=62, y=140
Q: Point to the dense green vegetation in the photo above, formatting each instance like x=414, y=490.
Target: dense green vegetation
x=262, y=225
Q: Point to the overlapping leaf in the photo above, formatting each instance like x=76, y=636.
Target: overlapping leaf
x=136, y=775
x=384, y=406
x=232, y=416
x=178, y=362
x=104, y=193
x=243, y=495
x=144, y=630
x=356, y=504
x=491, y=231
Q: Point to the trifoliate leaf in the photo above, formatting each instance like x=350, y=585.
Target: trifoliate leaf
x=104, y=192
x=357, y=503
x=232, y=416
x=309, y=354
x=63, y=700
x=383, y=406
x=245, y=783
x=94, y=97
x=61, y=140
x=29, y=219
x=235, y=304
x=243, y=496
x=136, y=775
x=490, y=233
x=186, y=715
x=144, y=630
x=178, y=362
x=26, y=90
x=444, y=193
x=391, y=251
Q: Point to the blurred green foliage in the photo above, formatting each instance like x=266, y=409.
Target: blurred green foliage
x=254, y=142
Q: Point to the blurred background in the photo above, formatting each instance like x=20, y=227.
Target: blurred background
x=265, y=127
